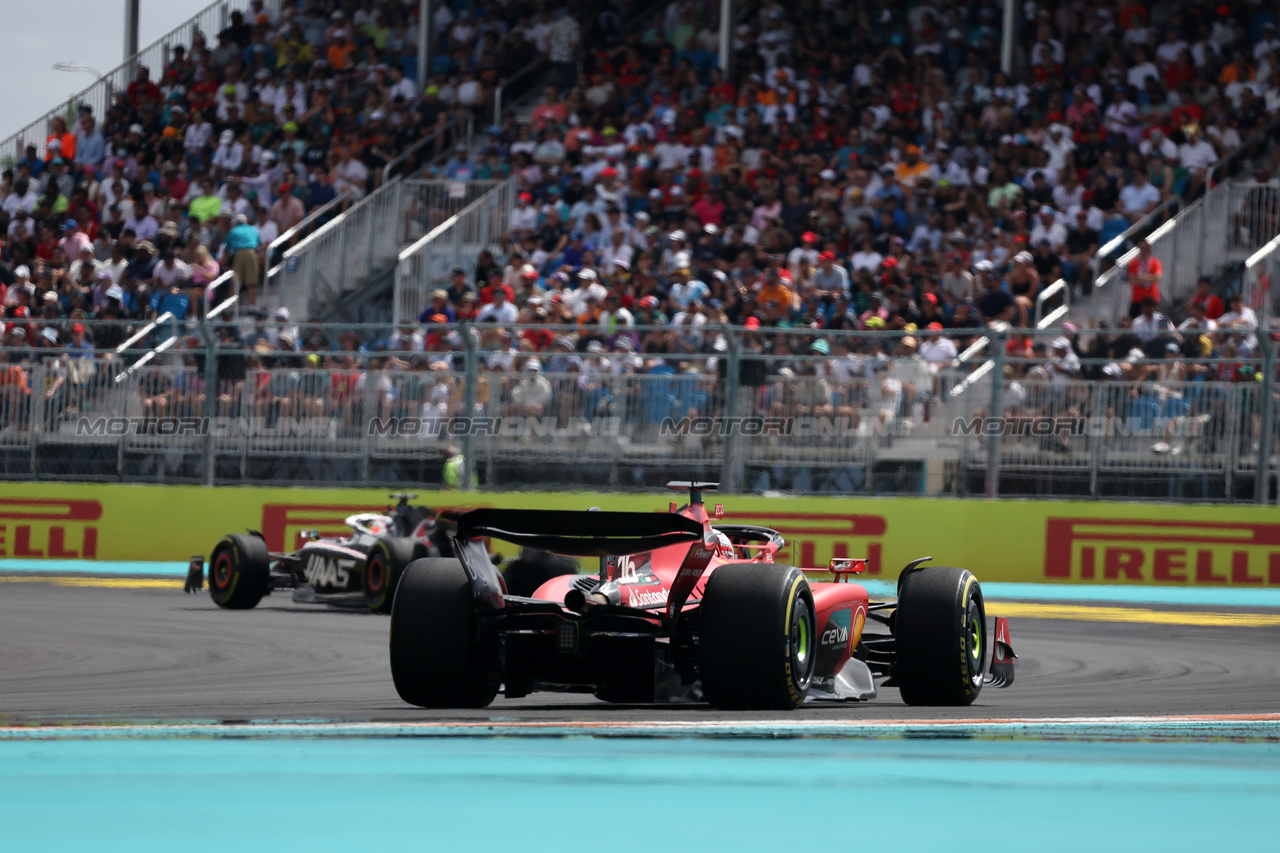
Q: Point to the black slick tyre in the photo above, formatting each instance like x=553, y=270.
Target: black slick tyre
x=437, y=657
x=239, y=572
x=940, y=637
x=382, y=570
x=756, y=641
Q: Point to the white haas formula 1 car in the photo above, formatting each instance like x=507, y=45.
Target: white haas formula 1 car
x=365, y=565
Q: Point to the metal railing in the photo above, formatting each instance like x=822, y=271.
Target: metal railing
x=1258, y=285
x=759, y=411
x=451, y=242
x=98, y=97
x=441, y=141
x=1225, y=225
x=515, y=85
x=339, y=255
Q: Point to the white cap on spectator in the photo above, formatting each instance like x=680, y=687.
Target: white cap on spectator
x=827, y=175
x=55, y=143
x=226, y=137
x=115, y=292
x=681, y=260
x=678, y=234
x=1023, y=258
x=137, y=128
x=595, y=346
x=339, y=34
x=587, y=273
x=377, y=115
x=984, y=266
x=51, y=335
x=1061, y=343
x=1112, y=370
x=533, y=365
x=282, y=313
x=23, y=271
x=241, y=219
x=104, y=275
x=50, y=296
x=1135, y=354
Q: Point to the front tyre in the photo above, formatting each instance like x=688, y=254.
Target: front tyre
x=756, y=642
x=382, y=571
x=239, y=572
x=437, y=657
x=941, y=638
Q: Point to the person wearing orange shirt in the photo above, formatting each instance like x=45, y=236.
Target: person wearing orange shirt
x=775, y=291
x=911, y=168
x=60, y=143
x=342, y=53
x=1144, y=274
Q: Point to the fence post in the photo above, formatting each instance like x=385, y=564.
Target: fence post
x=729, y=458
x=370, y=234
x=996, y=346
x=210, y=406
x=472, y=361
x=1262, y=481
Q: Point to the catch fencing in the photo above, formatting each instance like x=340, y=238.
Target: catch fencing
x=777, y=412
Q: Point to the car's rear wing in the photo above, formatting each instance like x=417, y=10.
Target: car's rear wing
x=577, y=533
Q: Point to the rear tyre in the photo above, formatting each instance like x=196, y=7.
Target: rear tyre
x=239, y=572
x=941, y=638
x=437, y=657
x=756, y=642
x=382, y=570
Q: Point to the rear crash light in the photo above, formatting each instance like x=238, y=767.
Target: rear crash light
x=567, y=637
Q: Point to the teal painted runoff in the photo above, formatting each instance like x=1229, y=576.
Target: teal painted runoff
x=636, y=794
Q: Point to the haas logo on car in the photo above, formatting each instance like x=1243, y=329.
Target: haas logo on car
x=326, y=571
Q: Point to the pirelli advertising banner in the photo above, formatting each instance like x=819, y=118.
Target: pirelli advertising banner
x=1031, y=541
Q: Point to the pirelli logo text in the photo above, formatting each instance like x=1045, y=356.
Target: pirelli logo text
x=820, y=537
x=1163, y=552
x=51, y=529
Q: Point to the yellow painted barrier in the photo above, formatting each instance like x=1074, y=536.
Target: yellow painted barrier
x=1042, y=541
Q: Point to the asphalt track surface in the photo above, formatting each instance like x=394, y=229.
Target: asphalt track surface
x=136, y=653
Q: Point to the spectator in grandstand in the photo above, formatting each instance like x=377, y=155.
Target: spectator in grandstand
x=1144, y=273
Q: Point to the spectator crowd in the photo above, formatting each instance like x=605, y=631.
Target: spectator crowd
x=864, y=167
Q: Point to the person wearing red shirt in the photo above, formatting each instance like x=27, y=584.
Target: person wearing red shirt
x=1205, y=298
x=1144, y=274
x=495, y=282
x=142, y=88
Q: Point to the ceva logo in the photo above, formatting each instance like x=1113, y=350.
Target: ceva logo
x=52, y=529
x=1164, y=552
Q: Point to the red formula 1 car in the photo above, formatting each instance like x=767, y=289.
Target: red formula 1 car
x=682, y=610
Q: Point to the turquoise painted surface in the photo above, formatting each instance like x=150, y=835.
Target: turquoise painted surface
x=628, y=794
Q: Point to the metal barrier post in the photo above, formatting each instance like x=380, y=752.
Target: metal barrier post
x=210, y=406
x=729, y=458
x=472, y=361
x=1262, y=480
x=997, y=395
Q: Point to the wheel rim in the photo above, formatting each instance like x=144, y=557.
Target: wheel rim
x=222, y=570
x=374, y=571
x=802, y=644
x=974, y=641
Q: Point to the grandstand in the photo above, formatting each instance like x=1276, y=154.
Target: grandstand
x=588, y=217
